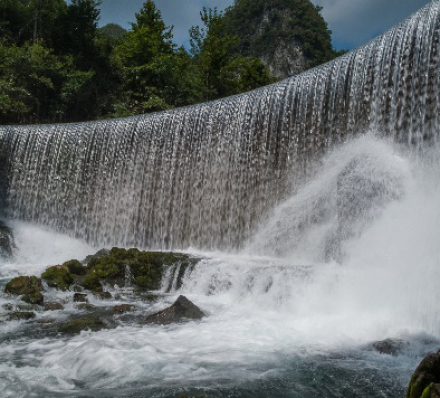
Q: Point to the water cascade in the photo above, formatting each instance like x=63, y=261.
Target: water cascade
x=205, y=176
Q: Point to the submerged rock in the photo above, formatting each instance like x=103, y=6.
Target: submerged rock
x=92, y=323
x=33, y=298
x=120, y=309
x=20, y=316
x=80, y=298
x=53, y=306
x=425, y=382
x=388, y=346
x=181, y=310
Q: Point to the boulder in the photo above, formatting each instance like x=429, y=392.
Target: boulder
x=425, y=381
x=20, y=316
x=33, y=298
x=120, y=309
x=24, y=285
x=388, y=346
x=92, y=323
x=181, y=310
x=53, y=306
x=58, y=277
x=80, y=298
x=75, y=267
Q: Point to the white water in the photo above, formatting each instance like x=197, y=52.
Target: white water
x=267, y=314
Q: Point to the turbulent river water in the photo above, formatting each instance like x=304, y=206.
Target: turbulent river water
x=281, y=323
x=312, y=202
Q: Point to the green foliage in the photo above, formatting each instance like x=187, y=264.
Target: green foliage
x=58, y=277
x=223, y=71
x=56, y=65
x=280, y=21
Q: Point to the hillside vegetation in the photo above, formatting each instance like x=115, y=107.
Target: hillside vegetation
x=57, y=65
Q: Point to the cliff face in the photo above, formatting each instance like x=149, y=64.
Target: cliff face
x=289, y=36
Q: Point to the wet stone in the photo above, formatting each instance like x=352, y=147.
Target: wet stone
x=20, y=316
x=24, y=285
x=53, y=306
x=103, y=295
x=33, y=298
x=91, y=323
x=85, y=306
x=80, y=298
x=120, y=309
x=181, y=310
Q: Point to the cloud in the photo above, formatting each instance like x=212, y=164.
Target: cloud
x=354, y=22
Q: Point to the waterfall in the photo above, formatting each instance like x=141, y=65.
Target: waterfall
x=206, y=175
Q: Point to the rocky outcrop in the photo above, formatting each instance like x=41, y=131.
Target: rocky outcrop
x=425, y=382
x=181, y=310
x=29, y=287
x=91, y=323
x=7, y=244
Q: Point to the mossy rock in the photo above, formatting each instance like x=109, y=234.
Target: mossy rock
x=24, y=285
x=92, y=323
x=92, y=282
x=75, y=267
x=21, y=316
x=58, y=277
x=426, y=378
x=97, y=255
x=53, y=306
x=33, y=298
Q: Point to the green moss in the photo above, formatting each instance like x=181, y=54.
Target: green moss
x=24, y=285
x=92, y=323
x=58, y=277
x=33, y=298
x=20, y=316
x=427, y=392
x=92, y=282
x=75, y=267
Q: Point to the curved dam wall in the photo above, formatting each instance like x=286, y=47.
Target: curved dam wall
x=204, y=176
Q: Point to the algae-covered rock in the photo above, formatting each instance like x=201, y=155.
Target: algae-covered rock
x=92, y=323
x=103, y=295
x=20, y=316
x=53, y=306
x=75, y=267
x=33, y=298
x=181, y=310
x=24, y=285
x=426, y=379
x=92, y=282
x=58, y=277
x=98, y=254
x=80, y=298
x=120, y=309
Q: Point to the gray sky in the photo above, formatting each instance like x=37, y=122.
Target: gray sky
x=353, y=22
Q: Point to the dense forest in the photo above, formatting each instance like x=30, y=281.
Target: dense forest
x=57, y=65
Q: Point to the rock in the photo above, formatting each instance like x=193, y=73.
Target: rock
x=34, y=298
x=103, y=295
x=92, y=282
x=181, y=310
x=80, y=298
x=28, y=307
x=20, y=316
x=97, y=255
x=425, y=381
x=388, y=346
x=92, y=323
x=24, y=285
x=53, y=306
x=8, y=306
x=75, y=267
x=58, y=277
x=85, y=306
x=7, y=244
x=120, y=309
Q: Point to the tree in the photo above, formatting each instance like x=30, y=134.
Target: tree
x=224, y=72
